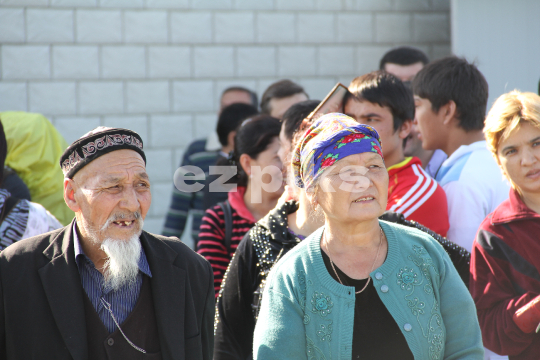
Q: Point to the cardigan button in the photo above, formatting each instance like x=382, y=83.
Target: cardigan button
x=384, y=288
x=407, y=327
x=378, y=276
x=110, y=341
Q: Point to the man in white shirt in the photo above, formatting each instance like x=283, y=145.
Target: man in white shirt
x=450, y=97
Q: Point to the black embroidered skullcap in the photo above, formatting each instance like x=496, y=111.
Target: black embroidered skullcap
x=96, y=143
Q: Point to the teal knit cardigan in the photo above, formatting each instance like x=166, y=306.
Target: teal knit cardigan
x=306, y=314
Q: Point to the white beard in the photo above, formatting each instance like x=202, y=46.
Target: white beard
x=122, y=265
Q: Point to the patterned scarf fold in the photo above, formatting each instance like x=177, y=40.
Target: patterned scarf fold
x=330, y=138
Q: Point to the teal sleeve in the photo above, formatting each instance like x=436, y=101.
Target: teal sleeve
x=463, y=335
x=279, y=333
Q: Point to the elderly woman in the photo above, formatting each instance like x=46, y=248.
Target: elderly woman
x=359, y=287
x=505, y=262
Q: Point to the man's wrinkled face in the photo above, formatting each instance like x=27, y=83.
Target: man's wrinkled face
x=112, y=194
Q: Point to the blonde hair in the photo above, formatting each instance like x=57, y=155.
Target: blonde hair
x=506, y=115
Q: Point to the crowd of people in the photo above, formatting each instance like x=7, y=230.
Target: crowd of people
x=400, y=224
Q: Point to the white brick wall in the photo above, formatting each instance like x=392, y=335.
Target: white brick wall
x=13, y=96
x=147, y=96
x=11, y=25
x=103, y=97
x=297, y=60
x=193, y=96
x=55, y=98
x=336, y=60
x=145, y=26
x=75, y=62
x=98, y=26
x=393, y=27
x=123, y=62
x=316, y=28
x=159, y=66
x=355, y=28
x=73, y=3
x=276, y=27
x=168, y=4
x=49, y=25
x=191, y=27
x=135, y=123
x=256, y=61
x=25, y=62
x=165, y=125
x=73, y=128
x=169, y=61
x=234, y=27
x=215, y=61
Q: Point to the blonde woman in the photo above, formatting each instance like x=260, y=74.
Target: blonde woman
x=505, y=262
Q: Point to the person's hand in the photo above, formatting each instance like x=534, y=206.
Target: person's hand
x=527, y=318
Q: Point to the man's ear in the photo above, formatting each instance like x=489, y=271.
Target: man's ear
x=245, y=162
x=69, y=195
x=449, y=112
x=405, y=129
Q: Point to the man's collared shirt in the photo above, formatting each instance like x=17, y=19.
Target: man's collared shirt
x=122, y=301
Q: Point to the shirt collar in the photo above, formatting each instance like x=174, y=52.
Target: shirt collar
x=236, y=199
x=512, y=209
x=79, y=252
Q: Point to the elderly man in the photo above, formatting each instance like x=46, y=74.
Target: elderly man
x=101, y=288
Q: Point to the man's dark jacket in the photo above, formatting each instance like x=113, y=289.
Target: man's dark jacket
x=41, y=299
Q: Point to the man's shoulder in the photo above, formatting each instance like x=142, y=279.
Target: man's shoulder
x=477, y=170
x=186, y=256
x=476, y=165
x=412, y=184
x=196, y=146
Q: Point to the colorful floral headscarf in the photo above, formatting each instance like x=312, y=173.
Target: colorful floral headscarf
x=332, y=137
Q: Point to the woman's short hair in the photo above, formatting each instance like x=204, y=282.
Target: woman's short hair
x=506, y=115
x=252, y=138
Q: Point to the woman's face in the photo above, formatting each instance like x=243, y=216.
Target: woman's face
x=269, y=169
x=354, y=189
x=285, y=148
x=519, y=158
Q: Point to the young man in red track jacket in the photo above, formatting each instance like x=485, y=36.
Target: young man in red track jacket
x=381, y=100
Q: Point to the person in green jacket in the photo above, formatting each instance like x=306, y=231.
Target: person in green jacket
x=34, y=149
x=360, y=287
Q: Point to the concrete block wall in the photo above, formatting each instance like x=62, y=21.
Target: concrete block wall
x=159, y=66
